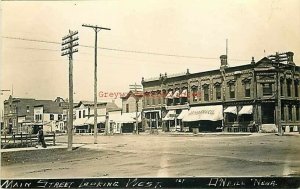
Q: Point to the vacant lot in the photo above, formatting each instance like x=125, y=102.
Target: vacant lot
x=160, y=155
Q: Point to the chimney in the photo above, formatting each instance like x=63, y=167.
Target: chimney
x=252, y=61
x=224, y=63
x=290, y=57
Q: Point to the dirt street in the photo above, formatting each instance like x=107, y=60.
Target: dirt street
x=160, y=156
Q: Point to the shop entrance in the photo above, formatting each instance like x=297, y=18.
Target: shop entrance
x=268, y=113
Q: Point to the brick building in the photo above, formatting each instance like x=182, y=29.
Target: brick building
x=233, y=99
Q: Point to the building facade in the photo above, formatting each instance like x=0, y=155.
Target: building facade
x=255, y=97
x=19, y=114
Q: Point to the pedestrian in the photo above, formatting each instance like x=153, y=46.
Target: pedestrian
x=41, y=139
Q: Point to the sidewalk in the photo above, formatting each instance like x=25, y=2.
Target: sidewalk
x=57, y=146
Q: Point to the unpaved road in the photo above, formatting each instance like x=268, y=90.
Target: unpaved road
x=160, y=156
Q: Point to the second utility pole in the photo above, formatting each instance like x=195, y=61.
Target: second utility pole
x=96, y=29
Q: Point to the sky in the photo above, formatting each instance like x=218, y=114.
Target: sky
x=196, y=29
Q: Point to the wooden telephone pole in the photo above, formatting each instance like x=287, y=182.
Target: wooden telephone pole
x=135, y=87
x=96, y=29
x=68, y=43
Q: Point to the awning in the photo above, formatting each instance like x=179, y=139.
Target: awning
x=100, y=119
x=129, y=118
x=176, y=94
x=183, y=114
x=170, y=95
x=210, y=113
x=80, y=121
x=170, y=115
x=231, y=109
x=183, y=93
x=246, y=110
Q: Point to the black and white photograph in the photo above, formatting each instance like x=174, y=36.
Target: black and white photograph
x=150, y=94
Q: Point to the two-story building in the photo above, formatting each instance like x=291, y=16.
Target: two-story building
x=132, y=104
x=19, y=114
x=251, y=97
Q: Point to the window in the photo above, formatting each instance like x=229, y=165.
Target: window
x=231, y=91
x=218, y=92
x=37, y=117
x=206, y=93
x=127, y=108
x=247, y=89
x=147, y=99
x=59, y=117
x=194, y=94
x=79, y=116
x=83, y=113
x=297, y=113
x=267, y=89
x=51, y=117
x=27, y=109
x=169, y=101
x=289, y=87
x=281, y=87
x=296, y=88
x=158, y=98
x=290, y=113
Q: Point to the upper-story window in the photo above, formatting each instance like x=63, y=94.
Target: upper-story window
x=83, y=113
x=27, y=109
x=289, y=87
x=206, y=92
x=194, y=93
x=127, y=108
x=59, y=117
x=281, y=86
x=176, y=97
x=296, y=88
x=231, y=90
x=267, y=89
x=158, y=96
x=247, y=89
x=51, y=116
x=79, y=116
x=218, y=91
x=183, y=96
x=153, y=97
x=169, y=97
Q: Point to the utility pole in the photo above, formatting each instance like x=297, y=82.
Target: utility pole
x=135, y=87
x=96, y=29
x=280, y=133
x=68, y=44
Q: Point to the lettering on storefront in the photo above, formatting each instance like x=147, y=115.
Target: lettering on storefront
x=203, y=112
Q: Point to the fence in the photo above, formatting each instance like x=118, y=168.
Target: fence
x=24, y=140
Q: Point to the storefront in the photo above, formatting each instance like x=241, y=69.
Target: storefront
x=204, y=118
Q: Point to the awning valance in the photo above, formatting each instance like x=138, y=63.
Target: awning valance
x=183, y=114
x=170, y=115
x=183, y=93
x=170, y=95
x=210, y=113
x=176, y=94
x=246, y=110
x=231, y=109
x=129, y=118
x=80, y=121
x=100, y=119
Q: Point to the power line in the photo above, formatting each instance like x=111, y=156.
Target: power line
x=125, y=50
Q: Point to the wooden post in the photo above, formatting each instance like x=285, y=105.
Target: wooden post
x=53, y=139
x=26, y=141
x=21, y=139
x=14, y=138
x=30, y=139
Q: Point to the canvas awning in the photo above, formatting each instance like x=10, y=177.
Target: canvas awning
x=246, y=110
x=176, y=94
x=210, y=113
x=80, y=121
x=170, y=115
x=100, y=119
x=183, y=114
x=129, y=118
x=170, y=95
x=183, y=93
x=231, y=109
